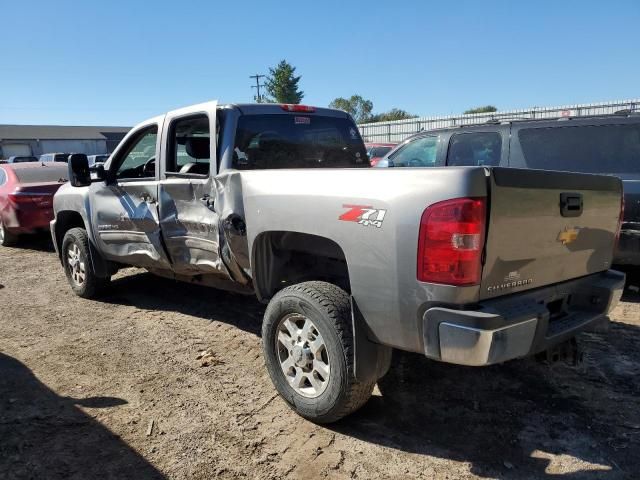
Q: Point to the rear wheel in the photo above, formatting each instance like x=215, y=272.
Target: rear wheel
x=308, y=346
x=7, y=239
x=78, y=266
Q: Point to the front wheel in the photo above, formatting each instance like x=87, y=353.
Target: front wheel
x=307, y=339
x=78, y=266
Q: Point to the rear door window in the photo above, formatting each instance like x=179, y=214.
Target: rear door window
x=3, y=177
x=588, y=148
x=189, y=148
x=474, y=149
x=420, y=152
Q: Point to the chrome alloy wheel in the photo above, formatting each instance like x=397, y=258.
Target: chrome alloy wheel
x=1, y=232
x=303, y=355
x=76, y=265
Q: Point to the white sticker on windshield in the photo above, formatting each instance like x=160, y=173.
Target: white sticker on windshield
x=303, y=121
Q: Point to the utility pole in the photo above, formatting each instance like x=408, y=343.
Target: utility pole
x=257, y=86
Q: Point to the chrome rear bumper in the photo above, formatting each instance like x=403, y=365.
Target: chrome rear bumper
x=474, y=346
x=522, y=324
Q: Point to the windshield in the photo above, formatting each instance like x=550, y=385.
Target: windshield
x=589, y=149
x=297, y=141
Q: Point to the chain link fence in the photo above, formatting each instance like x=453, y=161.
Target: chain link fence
x=398, y=130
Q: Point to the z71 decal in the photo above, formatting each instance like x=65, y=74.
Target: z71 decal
x=363, y=215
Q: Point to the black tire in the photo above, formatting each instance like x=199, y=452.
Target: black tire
x=91, y=285
x=7, y=239
x=329, y=309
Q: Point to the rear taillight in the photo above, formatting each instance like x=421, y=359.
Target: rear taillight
x=21, y=198
x=291, y=107
x=451, y=242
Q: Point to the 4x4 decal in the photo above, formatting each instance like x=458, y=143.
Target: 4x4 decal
x=363, y=215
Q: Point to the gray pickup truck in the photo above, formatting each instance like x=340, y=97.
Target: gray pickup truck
x=467, y=265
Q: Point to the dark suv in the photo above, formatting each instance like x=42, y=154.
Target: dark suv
x=608, y=144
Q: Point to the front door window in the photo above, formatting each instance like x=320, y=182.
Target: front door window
x=139, y=161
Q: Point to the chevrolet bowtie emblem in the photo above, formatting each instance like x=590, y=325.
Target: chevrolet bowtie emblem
x=568, y=235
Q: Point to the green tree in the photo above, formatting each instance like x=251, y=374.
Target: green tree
x=359, y=108
x=393, y=114
x=282, y=84
x=485, y=109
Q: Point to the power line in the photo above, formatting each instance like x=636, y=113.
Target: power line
x=257, y=86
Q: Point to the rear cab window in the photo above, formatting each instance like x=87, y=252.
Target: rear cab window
x=300, y=140
x=474, y=149
x=583, y=148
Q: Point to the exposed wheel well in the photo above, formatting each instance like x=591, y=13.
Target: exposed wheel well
x=285, y=258
x=65, y=221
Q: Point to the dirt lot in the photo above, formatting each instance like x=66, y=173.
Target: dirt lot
x=112, y=389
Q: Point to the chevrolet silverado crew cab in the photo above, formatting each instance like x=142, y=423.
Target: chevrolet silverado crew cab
x=467, y=265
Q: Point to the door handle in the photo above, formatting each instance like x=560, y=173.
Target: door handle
x=145, y=197
x=207, y=200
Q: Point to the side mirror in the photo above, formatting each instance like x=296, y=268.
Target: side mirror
x=79, y=173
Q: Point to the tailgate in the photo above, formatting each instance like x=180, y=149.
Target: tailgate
x=547, y=227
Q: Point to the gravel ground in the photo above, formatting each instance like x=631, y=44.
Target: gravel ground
x=113, y=389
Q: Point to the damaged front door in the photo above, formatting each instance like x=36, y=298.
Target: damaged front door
x=125, y=208
x=188, y=220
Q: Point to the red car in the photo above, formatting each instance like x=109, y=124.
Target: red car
x=26, y=197
x=378, y=150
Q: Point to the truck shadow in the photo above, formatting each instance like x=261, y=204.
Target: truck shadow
x=45, y=435
x=518, y=420
x=150, y=292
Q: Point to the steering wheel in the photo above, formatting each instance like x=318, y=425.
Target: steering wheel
x=414, y=162
x=149, y=167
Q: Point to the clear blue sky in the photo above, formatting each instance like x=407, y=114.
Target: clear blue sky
x=117, y=62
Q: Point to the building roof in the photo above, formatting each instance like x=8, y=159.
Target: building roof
x=57, y=132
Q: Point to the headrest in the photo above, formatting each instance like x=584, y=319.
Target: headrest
x=197, y=147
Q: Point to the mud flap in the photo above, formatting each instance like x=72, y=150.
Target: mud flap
x=371, y=360
x=101, y=267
